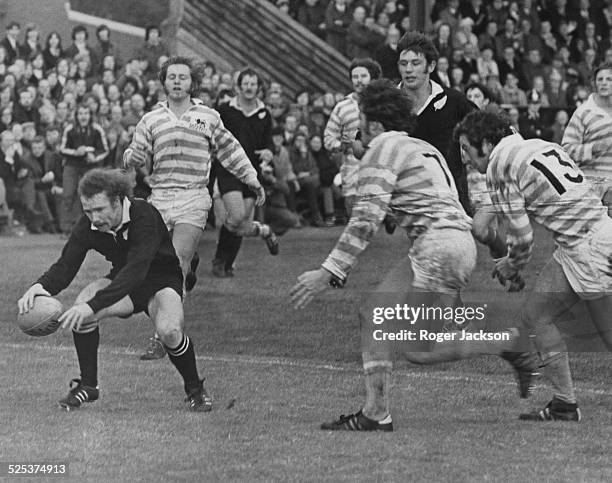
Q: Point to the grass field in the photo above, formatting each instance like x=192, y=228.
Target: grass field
x=275, y=375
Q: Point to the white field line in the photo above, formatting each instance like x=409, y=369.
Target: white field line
x=412, y=373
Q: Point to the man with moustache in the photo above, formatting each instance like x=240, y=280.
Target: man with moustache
x=250, y=121
x=340, y=136
x=174, y=143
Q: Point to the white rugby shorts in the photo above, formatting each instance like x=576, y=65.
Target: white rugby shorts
x=443, y=260
x=182, y=206
x=588, y=265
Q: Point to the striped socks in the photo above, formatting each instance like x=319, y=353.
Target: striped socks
x=183, y=358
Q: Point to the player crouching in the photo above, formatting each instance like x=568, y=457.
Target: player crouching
x=145, y=276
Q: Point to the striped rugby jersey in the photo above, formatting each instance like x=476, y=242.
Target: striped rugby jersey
x=589, y=124
x=180, y=150
x=537, y=179
x=408, y=178
x=342, y=127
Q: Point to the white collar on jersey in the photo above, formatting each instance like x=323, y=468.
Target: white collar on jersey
x=258, y=105
x=506, y=141
x=436, y=90
x=194, y=101
x=125, y=219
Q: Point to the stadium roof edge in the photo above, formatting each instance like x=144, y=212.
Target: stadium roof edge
x=87, y=19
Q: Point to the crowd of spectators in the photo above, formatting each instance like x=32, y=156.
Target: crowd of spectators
x=535, y=59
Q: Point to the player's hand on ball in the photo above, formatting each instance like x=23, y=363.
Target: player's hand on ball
x=75, y=316
x=26, y=302
x=309, y=284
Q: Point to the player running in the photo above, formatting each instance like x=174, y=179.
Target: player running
x=145, y=277
x=536, y=179
x=340, y=135
x=409, y=178
x=175, y=141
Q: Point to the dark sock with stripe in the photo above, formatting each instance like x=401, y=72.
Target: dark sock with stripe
x=233, y=247
x=225, y=240
x=183, y=358
x=87, y=352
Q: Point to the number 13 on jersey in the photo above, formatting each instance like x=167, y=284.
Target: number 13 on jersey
x=559, y=169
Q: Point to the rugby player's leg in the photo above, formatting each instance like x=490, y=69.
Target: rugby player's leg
x=600, y=310
x=166, y=310
x=549, y=302
x=185, y=238
x=229, y=242
x=87, y=337
x=378, y=355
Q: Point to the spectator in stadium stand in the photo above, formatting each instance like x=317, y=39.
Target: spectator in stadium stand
x=10, y=42
x=53, y=50
x=507, y=38
x=464, y=34
x=83, y=147
x=312, y=16
x=283, y=6
x=438, y=109
x=31, y=44
x=277, y=213
x=388, y=55
x=360, y=40
x=442, y=41
x=19, y=185
x=441, y=74
x=529, y=11
x=529, y=39
x=79, y=44
x=489, y=36
x=456, y=79
x=450, y=15
x=508, y=63
x=475, y=10
x=327, y=171
x=558, y=127
x=587, y=65
x=104, y=47
x=511, y=94
x=531, y=123
x=486, y=64
x=497, y=12
x=24, y=110
x=152, y=49
x=557, y=96
x=337, y=20
x=46, y=166
x=305, y=168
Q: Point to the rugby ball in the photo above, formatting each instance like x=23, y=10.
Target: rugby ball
x=42, y=319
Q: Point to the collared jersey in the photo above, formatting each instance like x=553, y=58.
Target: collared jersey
x=342, y=127
x=404, y=176
x=343, y=123
x=589, y=124
x=537, y=179
x=180, y=150
x=141, y=245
